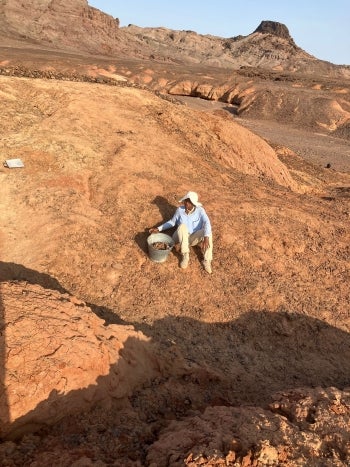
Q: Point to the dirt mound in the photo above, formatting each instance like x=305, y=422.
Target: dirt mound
x=301, y=108
x=61, y=351
x=299, y=427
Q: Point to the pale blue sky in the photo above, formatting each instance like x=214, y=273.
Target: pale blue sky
x=320, y=27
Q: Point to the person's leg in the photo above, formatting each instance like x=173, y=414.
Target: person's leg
x=181, y=236
x=196, y=238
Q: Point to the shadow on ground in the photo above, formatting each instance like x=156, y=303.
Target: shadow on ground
x=166, y=211
x=243, y=361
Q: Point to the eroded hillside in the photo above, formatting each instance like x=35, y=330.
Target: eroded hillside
x=104, y=163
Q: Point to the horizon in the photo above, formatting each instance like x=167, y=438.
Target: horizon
x=318, y=29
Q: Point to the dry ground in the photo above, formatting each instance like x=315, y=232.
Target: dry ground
x=102, y=164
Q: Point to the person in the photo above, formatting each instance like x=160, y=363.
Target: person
x=193, y=228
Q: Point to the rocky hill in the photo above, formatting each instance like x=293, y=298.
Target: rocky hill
x=263, y=75
x=265, y=48
x=58, y=24
x=82, y=28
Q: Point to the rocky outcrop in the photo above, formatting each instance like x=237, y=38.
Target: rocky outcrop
x=61, y=359
x=275, y=28
x=300, y=425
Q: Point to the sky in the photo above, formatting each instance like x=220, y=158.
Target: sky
x=320, y=27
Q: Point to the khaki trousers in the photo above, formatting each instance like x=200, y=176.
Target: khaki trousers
x=186, y=240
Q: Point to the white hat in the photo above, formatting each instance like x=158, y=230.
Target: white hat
x=193, y=197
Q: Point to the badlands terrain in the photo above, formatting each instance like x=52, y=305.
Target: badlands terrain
x=108, y=358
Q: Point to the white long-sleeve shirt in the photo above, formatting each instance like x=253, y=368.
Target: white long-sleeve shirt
x=195, y=220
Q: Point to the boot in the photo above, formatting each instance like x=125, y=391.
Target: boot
x=207, y=266
x=185, y=260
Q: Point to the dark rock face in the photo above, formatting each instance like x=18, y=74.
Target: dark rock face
x=275, y=28
x=65, y=25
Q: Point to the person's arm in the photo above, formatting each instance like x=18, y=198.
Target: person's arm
x=206, y=223
x=167, y=225
x=207, y=230
x=205, y=244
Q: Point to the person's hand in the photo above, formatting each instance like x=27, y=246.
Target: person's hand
x=153, y=230
x=205, y=244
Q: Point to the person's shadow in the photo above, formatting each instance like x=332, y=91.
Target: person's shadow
x=166, y=211
x=165, y=208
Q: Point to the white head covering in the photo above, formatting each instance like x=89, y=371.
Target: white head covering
x=193, y=197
